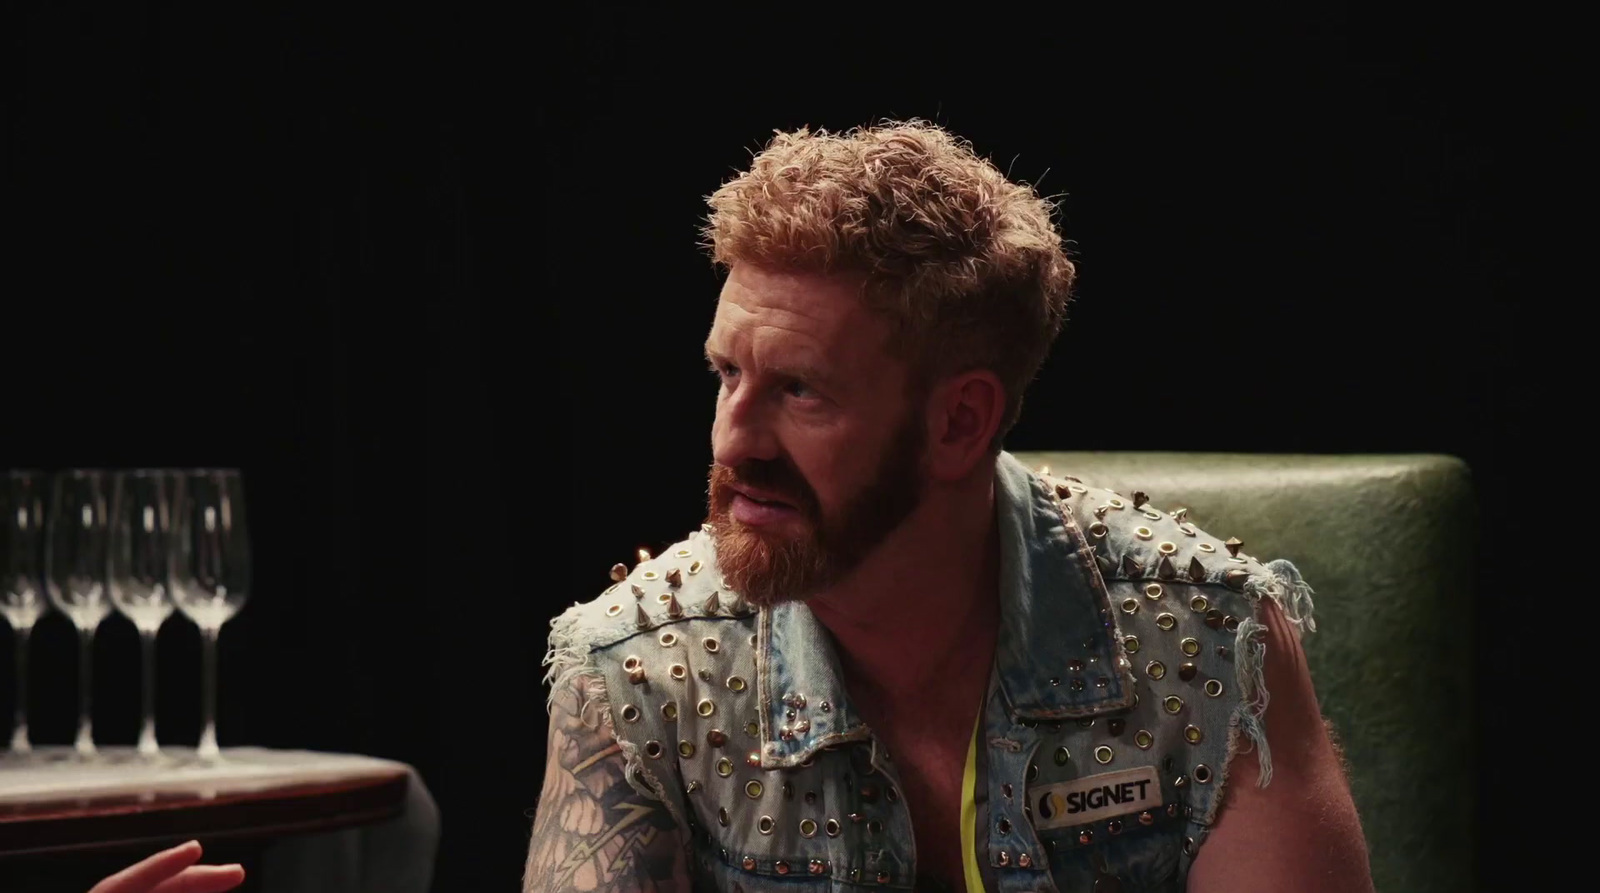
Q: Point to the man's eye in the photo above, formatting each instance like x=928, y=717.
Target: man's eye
x=800, y=389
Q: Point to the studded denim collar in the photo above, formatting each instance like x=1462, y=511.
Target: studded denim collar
x=1058, y=653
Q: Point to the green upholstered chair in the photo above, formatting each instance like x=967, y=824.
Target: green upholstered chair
x=1388, y=544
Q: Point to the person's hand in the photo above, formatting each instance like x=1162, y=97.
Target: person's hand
x=173, y=871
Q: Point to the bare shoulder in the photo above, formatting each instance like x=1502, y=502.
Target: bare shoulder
x=593, y=830
x=1301, y=830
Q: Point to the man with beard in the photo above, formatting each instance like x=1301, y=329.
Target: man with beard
x=893, y=656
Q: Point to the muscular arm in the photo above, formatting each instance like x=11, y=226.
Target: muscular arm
x=1300, y=832
x=592, y=830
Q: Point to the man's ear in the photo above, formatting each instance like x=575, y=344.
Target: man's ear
x=963, y=413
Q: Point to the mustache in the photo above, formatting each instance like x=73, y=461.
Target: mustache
x=776, y=476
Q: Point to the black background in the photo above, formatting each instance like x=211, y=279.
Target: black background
x=434, y=286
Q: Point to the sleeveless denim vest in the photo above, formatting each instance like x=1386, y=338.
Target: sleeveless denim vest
x=1127, y=672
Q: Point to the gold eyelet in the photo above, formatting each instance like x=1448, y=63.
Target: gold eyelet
x=706, y=707
x=1206, y=547
x=1172, y=704
x=669, y=711
x=630, y=713
x=1192, y=734
x=1167, y=548
x=765, y=824
x=695, y=566
x=808, y=827
x=1098, y=530
x=1154, y=516
x=650, y=575
x=752, y=789
x=736, y=683
x=1202, y=774
x=669, y=639
x=686, y=749
x=682, y=553
x=711, y=644
x=652, y=749
x=1130, y=605
x=1142, y=533
x=613, y=611
x=1144, y=739
x=1190, y=646
x=724, y=767
x=1115, y=503
x=1166, y=621
x=1103, y=755
x=1077, y=489
x=1153, y=591
x=1198, y=604
x=1131, y=644
x=1155, y=669
x=831, y=827
x=631, y=663
x=679, y=671
x=1214, y=688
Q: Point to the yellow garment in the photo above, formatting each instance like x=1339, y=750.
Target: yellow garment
x=969, y=813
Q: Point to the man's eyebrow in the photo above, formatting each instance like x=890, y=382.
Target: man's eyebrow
x=796, y=371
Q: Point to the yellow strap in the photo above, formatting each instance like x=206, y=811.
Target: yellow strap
x=969, y=812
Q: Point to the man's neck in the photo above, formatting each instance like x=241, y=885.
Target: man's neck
x=924, y=605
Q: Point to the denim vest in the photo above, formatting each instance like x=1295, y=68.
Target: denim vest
x=1127, y=672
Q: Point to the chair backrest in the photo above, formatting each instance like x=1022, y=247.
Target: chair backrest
x=1388, y=544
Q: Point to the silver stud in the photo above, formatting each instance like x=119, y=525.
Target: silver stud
x=1180, y=514
x=1131, y=568
x=1235, y=579
x=1197, y=571
x=1234, y=544
x=1100, y=512
x=638, y=591
x=712, y=606
x=693, y=786
x=1107, y=569
x=641, y=619
x=619, y=572
x=704, y=674
x=674, y=578
x=674, y=610
x=1024, y=860
x=1004, y=858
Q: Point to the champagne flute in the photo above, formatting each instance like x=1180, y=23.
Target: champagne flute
x=210, y=575
x=21, y=601
x=139, y=562
x=75, y=574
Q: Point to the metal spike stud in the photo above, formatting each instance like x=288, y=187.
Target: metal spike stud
x=1107, y=569
x=640, y=618
x=1197, y=571
x=674, y=610
x=1235, y=579
x=674, y=578
x=1165, y=570
x=712, y=606
x=1140, y=498
x=1063, y=491
x=636, y=675
x=638, y=591
x=1131, y=568
x=644, y=555
x=1179, y=515
x=1234, y=544
x=1100, y=511
x=619, y=572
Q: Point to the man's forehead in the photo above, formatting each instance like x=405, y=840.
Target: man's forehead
x=819, y=315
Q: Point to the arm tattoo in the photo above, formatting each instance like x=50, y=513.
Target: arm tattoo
x=593, y=831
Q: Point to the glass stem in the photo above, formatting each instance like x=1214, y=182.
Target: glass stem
x=85, y=742
x=147, y=692
x=208, y=749
x=19, y=728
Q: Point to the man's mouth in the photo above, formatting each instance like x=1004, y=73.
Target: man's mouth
x=758, y=509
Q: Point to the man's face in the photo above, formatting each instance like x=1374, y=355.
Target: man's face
x=817, y=447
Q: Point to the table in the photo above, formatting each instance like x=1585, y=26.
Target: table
x=298, y=820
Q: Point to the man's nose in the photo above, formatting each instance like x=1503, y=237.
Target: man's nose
x=741, y=432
